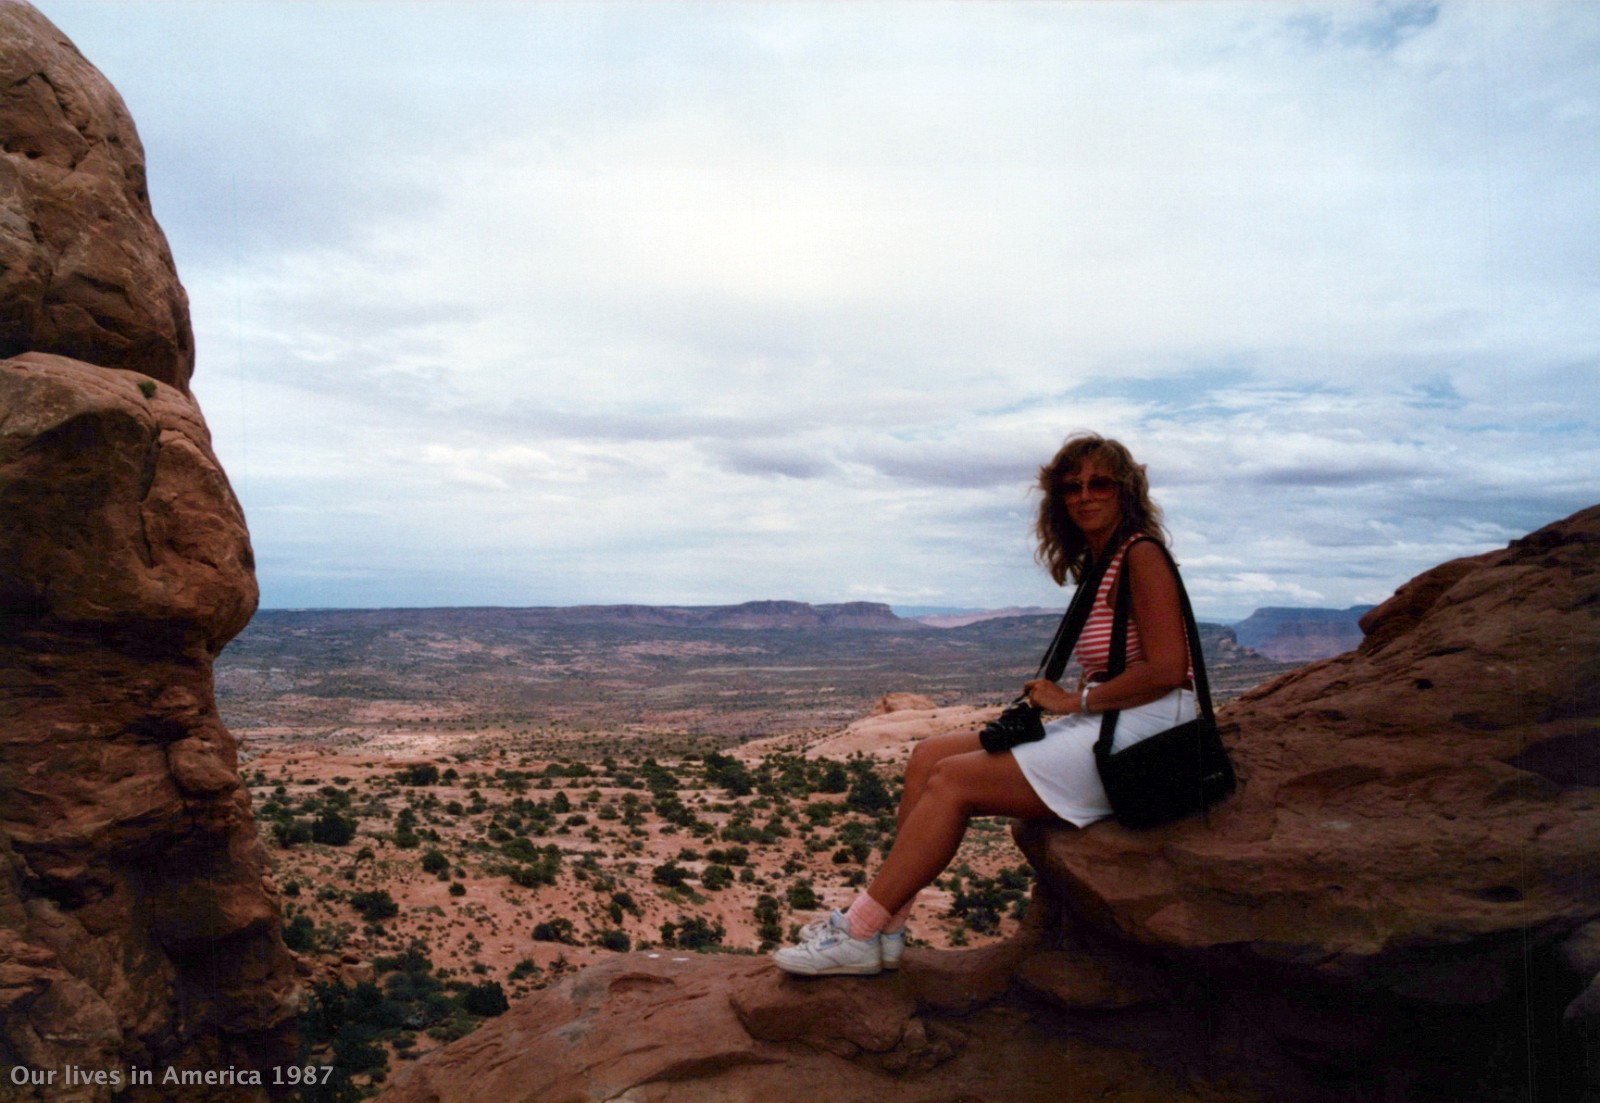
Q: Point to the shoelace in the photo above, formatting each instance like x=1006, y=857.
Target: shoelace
x=816, y=928
x=820, y=932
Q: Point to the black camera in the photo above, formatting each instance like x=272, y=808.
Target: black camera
x=1021, y=722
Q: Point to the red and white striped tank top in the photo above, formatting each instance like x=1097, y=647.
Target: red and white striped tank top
x=1094, y=643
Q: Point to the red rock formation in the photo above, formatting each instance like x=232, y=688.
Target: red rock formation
x=135, y=924
x=692, y=1027
x=84, y=268
x=1416, y=837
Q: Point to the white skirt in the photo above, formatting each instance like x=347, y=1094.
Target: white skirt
x=1061, y=768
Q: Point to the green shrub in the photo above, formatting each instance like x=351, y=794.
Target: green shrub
x=375, y=905
x=802, y=896
x=729, y=773
x=692, y=934
x=834, y=779
x=299, y=934
x=486, y=999
x=868, y=794
x=420, y=774
x=559, y=929
x=670, y=874
x=332, y=829
x=290, y=833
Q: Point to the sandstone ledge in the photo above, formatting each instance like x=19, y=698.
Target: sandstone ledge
x=692, y=1027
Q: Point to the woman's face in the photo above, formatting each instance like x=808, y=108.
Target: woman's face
x=1093, y=498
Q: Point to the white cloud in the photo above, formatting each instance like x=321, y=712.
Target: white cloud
x=679, y=302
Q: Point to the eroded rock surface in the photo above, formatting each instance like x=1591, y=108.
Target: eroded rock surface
x=84, y=269
x=684, y=1028
x=136, y=927
x=1417, y=833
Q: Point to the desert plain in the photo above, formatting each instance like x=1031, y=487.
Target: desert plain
x=493, y=798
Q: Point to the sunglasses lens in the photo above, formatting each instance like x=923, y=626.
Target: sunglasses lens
x=1097, y=487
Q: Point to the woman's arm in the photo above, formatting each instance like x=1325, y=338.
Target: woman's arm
x=1159, y=614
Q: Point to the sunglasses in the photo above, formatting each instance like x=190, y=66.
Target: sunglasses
x=1097, y=487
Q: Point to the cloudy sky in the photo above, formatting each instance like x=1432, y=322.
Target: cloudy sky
x=545, y=304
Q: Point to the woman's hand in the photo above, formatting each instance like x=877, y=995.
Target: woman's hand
x=1049, y=696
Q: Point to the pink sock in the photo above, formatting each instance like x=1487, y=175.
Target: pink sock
x=866, y=917
x=897, y=921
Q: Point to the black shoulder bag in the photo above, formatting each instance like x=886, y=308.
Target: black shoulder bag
x=1174, y=773
x=1022, y=722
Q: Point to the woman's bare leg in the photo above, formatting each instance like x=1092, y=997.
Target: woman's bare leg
x=958, y=786
x=924, y=757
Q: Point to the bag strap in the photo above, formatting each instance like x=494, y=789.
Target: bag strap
x=1059, y=652
x=1119, y=643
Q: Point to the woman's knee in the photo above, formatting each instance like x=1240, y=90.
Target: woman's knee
x=948, y=783
x=926, y=756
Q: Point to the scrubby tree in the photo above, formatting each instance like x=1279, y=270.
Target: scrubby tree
x=486, y=999
x=559, y=929
x=802, y=896
x=692, y=934
x=420, y=774
x=291, y=832
x=332, y=829
x=670, y=874
x=299, y=934
x=769, y=918
x=834, y=778
x=375, y=905
x=728, y=773
x=868, y=793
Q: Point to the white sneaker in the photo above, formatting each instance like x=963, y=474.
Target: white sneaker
x=891, y=945
x=827, y=950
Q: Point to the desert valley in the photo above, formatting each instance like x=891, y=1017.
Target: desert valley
x=464, y=805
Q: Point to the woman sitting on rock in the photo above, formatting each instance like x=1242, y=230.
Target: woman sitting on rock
x=1096, y=503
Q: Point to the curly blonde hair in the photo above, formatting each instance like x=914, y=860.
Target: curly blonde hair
x=1063, y=550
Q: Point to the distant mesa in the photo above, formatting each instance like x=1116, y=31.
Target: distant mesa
x=977, y=616
x=751, y=615
x=1279, y=634
x=1302, y=635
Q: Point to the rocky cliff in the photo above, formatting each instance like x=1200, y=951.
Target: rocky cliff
x=1399, y=904
x=136, y=929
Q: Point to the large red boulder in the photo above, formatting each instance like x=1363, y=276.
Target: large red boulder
x=136, y=924
x=84, y=269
